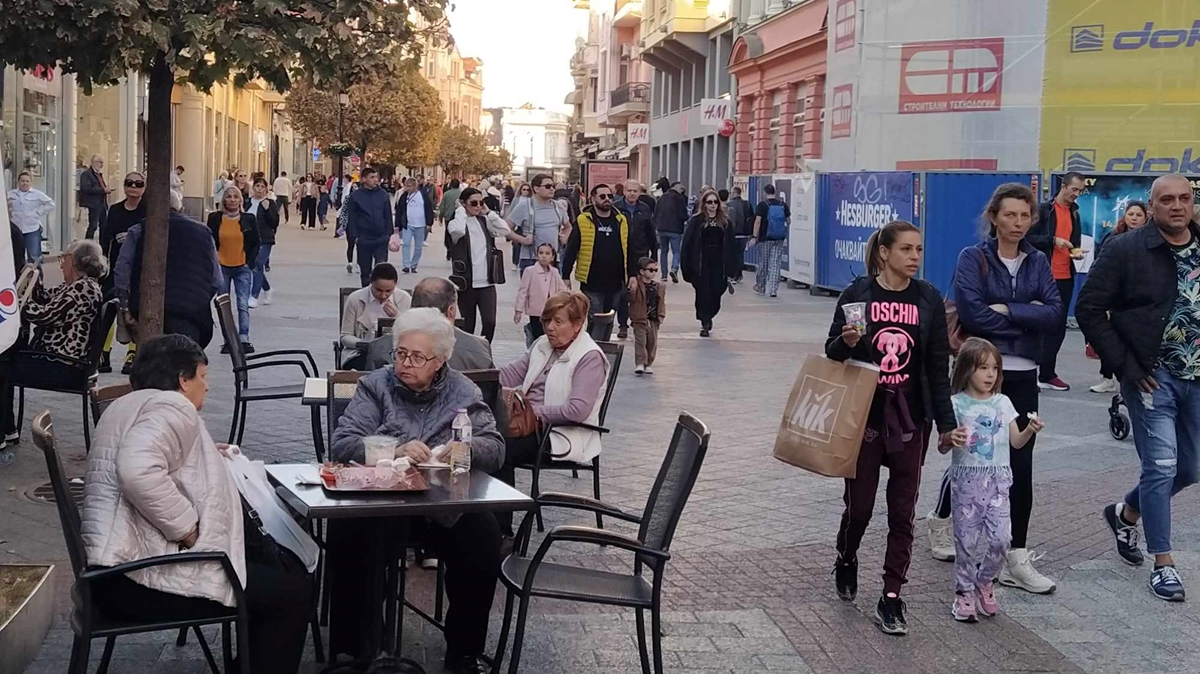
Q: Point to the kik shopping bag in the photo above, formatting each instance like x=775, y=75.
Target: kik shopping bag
x=825, y=415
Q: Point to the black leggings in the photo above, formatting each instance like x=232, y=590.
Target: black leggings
x=1022, y=389
x=483, y=299
x=350, y=241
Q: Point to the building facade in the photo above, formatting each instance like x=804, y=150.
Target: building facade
x=778, y=63
x=622, y=84
x=537, y=138
x=458, y=81
x=688, y=43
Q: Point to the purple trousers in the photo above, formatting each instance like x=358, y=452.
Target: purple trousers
x=982, y=527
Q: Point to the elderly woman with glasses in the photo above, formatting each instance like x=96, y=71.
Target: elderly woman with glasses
x=415, y=402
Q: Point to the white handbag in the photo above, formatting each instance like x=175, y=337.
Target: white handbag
x=255, y=487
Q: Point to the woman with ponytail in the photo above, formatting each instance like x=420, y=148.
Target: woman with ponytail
x=903, y=331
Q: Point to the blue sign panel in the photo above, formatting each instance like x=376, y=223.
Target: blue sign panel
x=850, y=207
x=316, y=154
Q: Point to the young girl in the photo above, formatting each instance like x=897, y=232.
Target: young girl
x=900, y=325
x=647, y=309
x=538, y=284
x=980, y=476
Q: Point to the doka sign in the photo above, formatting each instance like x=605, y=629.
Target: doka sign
x=1090, y=38
x=951, y=76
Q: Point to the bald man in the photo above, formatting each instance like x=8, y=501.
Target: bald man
x=1138, y=310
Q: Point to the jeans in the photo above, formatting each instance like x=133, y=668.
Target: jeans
x=242, y=279
x=1166, y=428
x=1052, y=342
x=260, y=270
x=669, y=241
x=97, y=217
x=368, y=256
x=33, y=246
x=414, y=241
x=602, y=302
x=323, y=209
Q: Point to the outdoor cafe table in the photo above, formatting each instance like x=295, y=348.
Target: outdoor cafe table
x=447, y=495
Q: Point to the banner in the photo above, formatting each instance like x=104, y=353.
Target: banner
x=598, y=172
x=802, y=199
x=850, y=207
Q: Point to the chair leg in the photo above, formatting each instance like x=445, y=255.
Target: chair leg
x=227, y=647
x=522, y=614
x=79, y=655
x=243, y=643
x=575, y=473
x=181, y=640
x=503, y=642
x=641, y=628
x=242, y=423
x=212, y=662
x=596, y=489
x=656, y=635
x=318, y=645
x=107, y=657
x=233, y=424
x=87, y=427
x=536, y=491
x=20, y=408
x=440, y=591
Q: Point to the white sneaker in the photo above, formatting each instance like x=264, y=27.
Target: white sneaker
x=1018, y=572
x=639, y=370
x=1107, y=386
x=941, y=538
x=430, y=563
x=253, y=303
x=266, y=297
x=649, y=370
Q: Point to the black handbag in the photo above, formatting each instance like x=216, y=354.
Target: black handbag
x=496, y=266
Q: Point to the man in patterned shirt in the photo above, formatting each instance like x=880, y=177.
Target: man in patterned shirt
x=1140, y=310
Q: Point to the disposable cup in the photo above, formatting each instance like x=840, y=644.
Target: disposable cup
x=378, y=447
x=856, y=315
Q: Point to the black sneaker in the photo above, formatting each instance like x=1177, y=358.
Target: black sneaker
x=674, y=277
x=127, y=367
x=247, y=347
x=889, y=615
x=704, y=332
x=623, y=333
x=845, y=578
x=405, y=270
x=105, y=363
x=467, y=664
x=225, y=348
x=1166, y=584
x=1126, y=535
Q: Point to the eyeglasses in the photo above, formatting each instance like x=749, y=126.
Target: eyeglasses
x=475, y=202
x=135, y=183
x=604, y=197
x=414, y=359
x=711, y=201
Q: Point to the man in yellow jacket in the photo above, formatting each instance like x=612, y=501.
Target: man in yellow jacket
x=598, y=251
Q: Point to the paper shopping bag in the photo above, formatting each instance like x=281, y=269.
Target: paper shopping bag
x=825, y=415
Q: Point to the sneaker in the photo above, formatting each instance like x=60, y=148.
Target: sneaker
x=429, y=563
x=639, y=370
x=465, y=665
x=674, y=277
x=13, y=438
x=1107, y=386
x=1166, y=584
x=105, y=363
x=349, y=269
x=963, y=608
x=623, y=333
x=405, y=270
x=127, y=367
x=266, y=297
x=267, y=267
x=1018, y=572
x=649, y=370
x=704, y=332
x=772, y=295
x=1055, y=384
x=225, y=348
x=988, y=606
x=253, y=303
x=889, y=615
x=247, y=347
x=758, y=289
x=941, y=538
x=845, y=578
x=1125, y=533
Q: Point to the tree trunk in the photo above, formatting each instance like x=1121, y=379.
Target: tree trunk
x=158, y=203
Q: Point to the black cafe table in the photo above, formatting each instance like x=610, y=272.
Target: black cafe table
x=447, y=495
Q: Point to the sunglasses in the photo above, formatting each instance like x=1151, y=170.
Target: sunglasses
x=604, y=197
x=710, y=201
x=475, y=202
x=652, y=270
x=135, y=183
x=546, y=186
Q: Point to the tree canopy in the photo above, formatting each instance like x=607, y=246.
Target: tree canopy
x=394, y=116
x=465, y=151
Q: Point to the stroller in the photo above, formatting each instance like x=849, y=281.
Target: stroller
x=1118, y=421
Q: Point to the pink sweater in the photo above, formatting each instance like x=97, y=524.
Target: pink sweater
x=537, y=286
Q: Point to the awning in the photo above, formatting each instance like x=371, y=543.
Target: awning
x=626, y=151
x=615, y=153
x=572, y=98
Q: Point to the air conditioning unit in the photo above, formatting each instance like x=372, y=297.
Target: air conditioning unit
x=626, y=51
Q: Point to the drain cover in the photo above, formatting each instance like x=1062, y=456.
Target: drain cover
x=44, y=493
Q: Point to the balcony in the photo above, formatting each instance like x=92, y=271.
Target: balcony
x=676, y=36
x=631, y=98
x=628, y=14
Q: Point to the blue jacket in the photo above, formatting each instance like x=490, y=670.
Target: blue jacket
x=1020, y=333
x=369, y=216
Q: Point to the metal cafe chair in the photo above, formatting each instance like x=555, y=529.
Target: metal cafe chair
x=342, y=385
x=526, y=577
x=243, y=364
x=614, y=352
x=88, y=623
x=103, y=396
x=343, y=293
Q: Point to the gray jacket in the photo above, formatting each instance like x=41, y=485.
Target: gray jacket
x=471, y=352
x=383, y=405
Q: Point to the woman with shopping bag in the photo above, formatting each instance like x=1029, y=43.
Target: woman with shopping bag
x=898, y=323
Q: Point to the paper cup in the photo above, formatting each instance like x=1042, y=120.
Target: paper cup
x=856, y=315
x=378, y=447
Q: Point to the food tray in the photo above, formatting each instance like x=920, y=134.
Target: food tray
x=413, y=481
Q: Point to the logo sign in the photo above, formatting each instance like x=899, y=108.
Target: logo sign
x=727, y=128
x=1087, y=38
x=845, y=15
x=8, y=302
x=714, y=111
x=843, y=111
x=1166, y=38
x=951, y=76
x=639, y=134
x=316, y=154
x=851, y=207
x=1078, y=159
x=817, y=411
x=1188, y=163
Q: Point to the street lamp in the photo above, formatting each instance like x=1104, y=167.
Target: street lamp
x=343, y=101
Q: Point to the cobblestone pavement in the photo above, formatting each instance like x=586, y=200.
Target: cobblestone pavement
x=748, y=587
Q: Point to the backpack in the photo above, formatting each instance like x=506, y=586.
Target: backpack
x=777, y=228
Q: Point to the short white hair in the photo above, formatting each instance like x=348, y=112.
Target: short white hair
x=431, y=323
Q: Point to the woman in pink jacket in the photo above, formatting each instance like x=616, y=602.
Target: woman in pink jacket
x=539, y=282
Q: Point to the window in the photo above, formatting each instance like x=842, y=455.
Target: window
x=593, y=84
x=777, y=128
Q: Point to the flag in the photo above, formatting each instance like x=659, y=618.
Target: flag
x=10, y=312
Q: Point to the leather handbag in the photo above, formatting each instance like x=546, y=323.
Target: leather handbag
x=955, y=331
x=496, y=266
x=522, y=422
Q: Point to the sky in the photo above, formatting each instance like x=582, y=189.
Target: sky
x=526, y=47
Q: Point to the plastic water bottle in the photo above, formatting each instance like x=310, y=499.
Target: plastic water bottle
x=461, y=432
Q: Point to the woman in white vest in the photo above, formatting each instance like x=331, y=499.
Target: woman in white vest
x=563, y=377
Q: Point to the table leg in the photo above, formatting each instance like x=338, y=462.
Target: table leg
x=318, y=433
